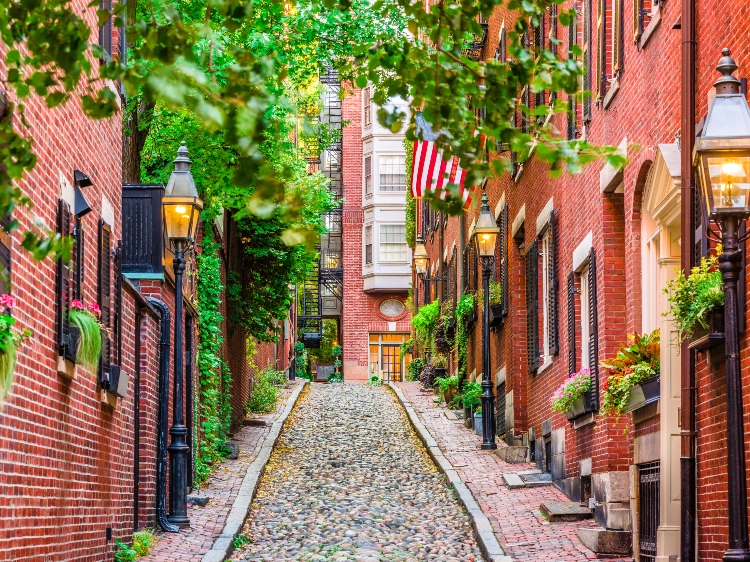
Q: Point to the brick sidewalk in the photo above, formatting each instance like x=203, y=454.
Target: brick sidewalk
x=206, y=523
x=520, y=527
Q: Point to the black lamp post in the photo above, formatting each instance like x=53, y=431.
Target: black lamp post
x=181, y=207
x=722, y=156
x=485, y=235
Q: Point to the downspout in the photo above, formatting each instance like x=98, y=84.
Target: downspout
x=163, y=418
x=189, y=395
x=687, y=357
x=137, y=418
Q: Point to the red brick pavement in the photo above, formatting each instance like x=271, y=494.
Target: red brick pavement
x=206, y=523
x=520, y=527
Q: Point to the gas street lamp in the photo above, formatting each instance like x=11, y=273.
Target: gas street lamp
x=181, y=208
x=722, y=157
x=485, y=236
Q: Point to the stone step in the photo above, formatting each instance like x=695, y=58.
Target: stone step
x=527, y=479
x=565, y=511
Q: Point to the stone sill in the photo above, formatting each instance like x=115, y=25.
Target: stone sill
x=614, y=87
x=649, y=31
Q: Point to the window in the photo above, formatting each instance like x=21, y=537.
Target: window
x=501, y=258
x=368, y=175
x=644, y=13
x=367, y=107
x=105, y=32
x=609, y=48
x=586, y=79
x=572, y=132
x=584, y=353
x=532, y=306
x=368, y=244
x=392, y=242
x=549, y=291
x=392, y=170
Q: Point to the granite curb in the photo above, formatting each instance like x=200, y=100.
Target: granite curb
x=223, y=544
x=486, y=539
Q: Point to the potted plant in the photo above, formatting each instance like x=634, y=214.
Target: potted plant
x=440, y=362
x=471, y=397
x=696, y=304
x=89, y=348
x=569, y=398
x=464, y=309
x=478, y=420
x=414, y=370
x=448, y=387
x=9, y=342
x=634, y=379
x=496, y=306
x=427, y=376
x=336, y=352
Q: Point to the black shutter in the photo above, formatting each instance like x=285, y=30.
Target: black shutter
x=571, y=323
x=503, y=258
x=454, y=276
x=117, y=327
x=77, y=259
x=587, y=60
x=62, y=289
x=532, y=306
x=105, y=297
x=105, y=32
x=500, y=416
x=593, y=334
x=572, y=100
x=701, y=240
x=554, y=340
x=5, y=246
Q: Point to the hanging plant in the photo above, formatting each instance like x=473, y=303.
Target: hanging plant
x=90, y=339
x=464, y=308
x=443, y=344
x=9, y=342
x=692, y=298
x=425, y=323
x=573, y=388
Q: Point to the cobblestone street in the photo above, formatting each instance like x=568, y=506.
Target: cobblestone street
x=349, y=480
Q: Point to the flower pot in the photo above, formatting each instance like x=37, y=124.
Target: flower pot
x=478, y=423
x=441, y=372
x=577, y=409
x=496, y=314
x=70, y=343
x=706, y=338
x=471, y=319
x=643, y=394
x=449, y=394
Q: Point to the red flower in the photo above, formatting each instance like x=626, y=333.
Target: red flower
x=8, y=301
x=76, y=305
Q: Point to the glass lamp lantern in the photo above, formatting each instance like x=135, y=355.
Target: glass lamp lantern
x=486, y=230
x=722, y=152
x=420, y=257
x=181, y=205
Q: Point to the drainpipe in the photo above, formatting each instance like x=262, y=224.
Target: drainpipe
x=687, y=357
x=163, y=418
x=136, y=417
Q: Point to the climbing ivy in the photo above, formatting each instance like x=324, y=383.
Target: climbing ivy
x=214, y=378
x=411, y=202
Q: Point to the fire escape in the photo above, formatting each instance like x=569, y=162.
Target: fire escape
x=323, y=290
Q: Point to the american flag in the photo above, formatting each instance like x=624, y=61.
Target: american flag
x=430, y=172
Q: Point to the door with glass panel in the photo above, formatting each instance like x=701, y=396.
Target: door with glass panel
x=391, y=362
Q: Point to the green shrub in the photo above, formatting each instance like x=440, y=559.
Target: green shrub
x=414, y=370
x=265, y=393
x=123, y=553
x=444, y=383
x=143, y=541
x=374, y=381
x=471, y=397
x=336, y=377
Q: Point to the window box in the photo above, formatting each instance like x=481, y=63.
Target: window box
x=471, y=319
x=450, y=328
x=496, y=315
x=707, y=338
x=70, y=348
x=643, y=394
x=118, y=382
x=577, y=409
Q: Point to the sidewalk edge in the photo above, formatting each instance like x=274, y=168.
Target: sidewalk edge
x=223, y=544
x=486, y=539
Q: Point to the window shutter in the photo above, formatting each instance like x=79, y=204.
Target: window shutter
x=532, y=306
x=504, y=259
x=105, y=297
x=601, y=49
x=571, y=323
x=554, y=340
x=62, y=289
x=105, y=32
x=617, y=43
x=454, y=276
x=5, y=246
x=593, y=334
x=77, y=259
x=500, y=415
x=118, y=304
x=572, y=100
x=587, y=60
x=503, y=46
x=701, y=240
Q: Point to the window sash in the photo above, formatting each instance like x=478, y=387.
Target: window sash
x=368, y=175
x=368, y=244
x=367, y=118
x=392, y=240
x=392, y=173
x=546, y=288
x=585, y=327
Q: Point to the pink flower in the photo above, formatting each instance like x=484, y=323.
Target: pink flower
x=76, y=304
x=94, y=308
x=8, y=301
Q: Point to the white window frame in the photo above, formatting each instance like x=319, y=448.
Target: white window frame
x=367, y=176
x=368, y=234
x=366, y=107
x=381, y=243
x=544, y=249
x=585, y=327
x=381, y=158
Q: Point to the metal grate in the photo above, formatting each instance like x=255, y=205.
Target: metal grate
x=648, y=509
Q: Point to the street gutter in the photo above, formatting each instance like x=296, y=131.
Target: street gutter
x=224, y=543
x=486, y=539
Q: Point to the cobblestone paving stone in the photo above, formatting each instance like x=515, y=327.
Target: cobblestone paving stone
x=349, y=480
x=206, y=523
x=519, y=525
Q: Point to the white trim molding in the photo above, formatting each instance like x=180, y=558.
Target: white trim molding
x=543, y=218
x=581, y=253
x=518, y=221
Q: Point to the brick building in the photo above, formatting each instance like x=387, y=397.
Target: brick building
x=584, y=260
x=83, y=450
